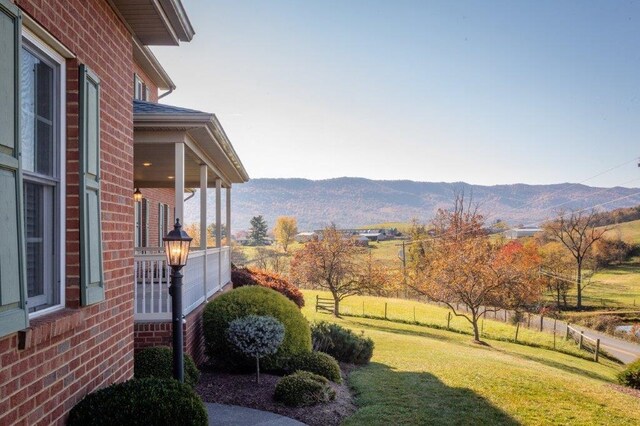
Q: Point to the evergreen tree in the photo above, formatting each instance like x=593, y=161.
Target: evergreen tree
x=258, y=231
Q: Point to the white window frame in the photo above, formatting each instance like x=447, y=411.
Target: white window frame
x=55, y=57
x=140, y=90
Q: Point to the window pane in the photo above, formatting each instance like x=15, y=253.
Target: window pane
x=37, y=121
x=27, y=118
x=34, y=224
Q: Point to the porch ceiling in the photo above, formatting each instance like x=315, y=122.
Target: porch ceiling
x=158, y=127
x=162, y=165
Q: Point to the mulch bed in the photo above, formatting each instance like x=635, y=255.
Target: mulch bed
x=242, y=389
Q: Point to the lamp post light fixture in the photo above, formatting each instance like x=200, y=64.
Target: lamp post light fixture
x=137, y=196
x=176, y=247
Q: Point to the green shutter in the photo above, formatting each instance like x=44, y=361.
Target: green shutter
x=13, y=295
x=91, y=258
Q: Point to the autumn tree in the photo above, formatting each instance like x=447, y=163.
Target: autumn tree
x=258, y=231
x=471, y=273
x=519, y=266
x=334, y=263
x=577, y=232
x=556, y=270
x=461, y=265
x=285, y=231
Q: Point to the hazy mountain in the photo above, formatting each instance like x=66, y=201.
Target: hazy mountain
x=356, y=201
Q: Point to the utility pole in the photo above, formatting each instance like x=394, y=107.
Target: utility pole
x=404, y=269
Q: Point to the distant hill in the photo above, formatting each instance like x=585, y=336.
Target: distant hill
x=352, y=202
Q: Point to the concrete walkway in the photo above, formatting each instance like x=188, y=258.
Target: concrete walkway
x=233, y=415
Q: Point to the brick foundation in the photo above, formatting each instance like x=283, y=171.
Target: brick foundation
x=158, y=333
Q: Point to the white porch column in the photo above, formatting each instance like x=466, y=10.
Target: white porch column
x=228, y=230
x=179, y=182
x=203, y=206
x=229, y=224
x=203, y=224
x=218, y=212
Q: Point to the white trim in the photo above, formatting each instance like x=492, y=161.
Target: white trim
x=53, y=54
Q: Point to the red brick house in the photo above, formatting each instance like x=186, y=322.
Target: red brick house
x=81, y=280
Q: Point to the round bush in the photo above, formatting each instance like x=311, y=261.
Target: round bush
x=303, y=388
x=252, y=276
x=318, y=363
x=630, y=376
x=256, y=336
x=158, y=362
x=149, y=401
x=254, y=300
x=341, y=343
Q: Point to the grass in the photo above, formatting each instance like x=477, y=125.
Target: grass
x=627, y=231
x=420, y=375
x=432, y=316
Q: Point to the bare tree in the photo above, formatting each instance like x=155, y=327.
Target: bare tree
x=577, y=232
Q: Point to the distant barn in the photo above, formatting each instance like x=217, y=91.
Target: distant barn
x=515, y=233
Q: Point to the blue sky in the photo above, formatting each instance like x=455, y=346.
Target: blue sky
x=486, y=92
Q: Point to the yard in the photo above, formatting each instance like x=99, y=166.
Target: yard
x=421, y=375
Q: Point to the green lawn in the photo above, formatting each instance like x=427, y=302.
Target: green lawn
x=421, y=375
x=433, y=316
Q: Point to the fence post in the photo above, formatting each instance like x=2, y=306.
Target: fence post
x=541, y=322
x=505, y=315
x=529, y=320
x=566, y=337
x=385, y=310
x=597, y=353
x=555, y=320
x=581, y=338
x=317, y=300
x=448, y=319
x=517, y=329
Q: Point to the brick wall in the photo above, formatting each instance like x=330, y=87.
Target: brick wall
x=155, y=196
x=158, y=333
x=47, y=369
x=151, y=86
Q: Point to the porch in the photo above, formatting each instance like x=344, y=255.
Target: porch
x=184, y=150
x=206, y=273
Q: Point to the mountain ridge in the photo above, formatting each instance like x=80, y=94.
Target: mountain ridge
x=354, y=201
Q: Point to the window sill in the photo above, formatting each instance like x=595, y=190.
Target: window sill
x=47, y=327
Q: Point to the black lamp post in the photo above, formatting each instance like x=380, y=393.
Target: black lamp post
x=176, y=247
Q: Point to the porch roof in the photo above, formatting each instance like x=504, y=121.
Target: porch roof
x=157, y=127
x=155, y=22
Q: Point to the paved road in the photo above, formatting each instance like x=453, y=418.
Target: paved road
x=623, y=350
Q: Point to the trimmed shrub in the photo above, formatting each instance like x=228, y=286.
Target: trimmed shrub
x=303, y=388
x=251, y=276
x=318, y=363
x=158, y=362
x=254, y=300
x=150, y=401
x=341, y=343
x=256, y=336
x=630, y=376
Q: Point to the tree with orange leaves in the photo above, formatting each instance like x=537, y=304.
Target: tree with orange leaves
x=462, y=266
x=335, y=263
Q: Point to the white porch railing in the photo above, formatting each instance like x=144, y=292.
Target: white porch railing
x=207, y=271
